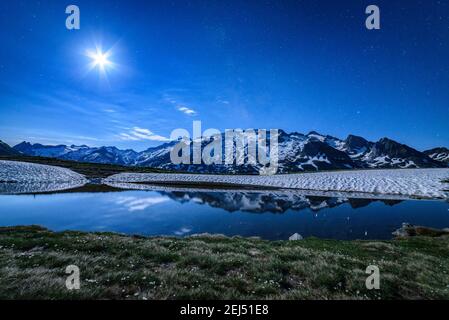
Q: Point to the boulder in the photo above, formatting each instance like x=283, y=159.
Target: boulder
x=409, y=230
x=295, y=236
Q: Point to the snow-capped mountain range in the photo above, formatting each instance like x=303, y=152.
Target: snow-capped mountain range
x=297, y=153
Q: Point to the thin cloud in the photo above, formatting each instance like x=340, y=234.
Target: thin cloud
x=186, y=110
x=223, y=101
x=179, y=105
x=87, y=138
x=127, y=137
x=137, y=134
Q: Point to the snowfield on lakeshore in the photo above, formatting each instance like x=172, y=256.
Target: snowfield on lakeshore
x=414, y=183
x=23, y=177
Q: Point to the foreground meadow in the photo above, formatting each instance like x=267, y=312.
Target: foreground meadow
x=33, y=261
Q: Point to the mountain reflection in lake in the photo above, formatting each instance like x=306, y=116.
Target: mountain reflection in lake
x=278, y=202
x=269, y=214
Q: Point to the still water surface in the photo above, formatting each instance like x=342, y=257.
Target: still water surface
x=266, y=215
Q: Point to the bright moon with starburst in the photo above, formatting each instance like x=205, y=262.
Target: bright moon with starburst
x=100, y=60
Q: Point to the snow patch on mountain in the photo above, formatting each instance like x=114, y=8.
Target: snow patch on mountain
x=439, y=154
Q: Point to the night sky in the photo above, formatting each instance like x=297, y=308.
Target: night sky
x=295, y=65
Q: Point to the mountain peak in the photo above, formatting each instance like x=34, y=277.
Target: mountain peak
x=23, y=143
x=437, y=150
x=353, y=136
x=356, y=141
x=6, y=150
x=386, y=139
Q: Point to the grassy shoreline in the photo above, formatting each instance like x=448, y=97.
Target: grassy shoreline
x=114, y=266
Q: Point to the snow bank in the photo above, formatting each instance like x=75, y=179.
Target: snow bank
x=413, y=183
x=20, y=177
x=237, y=189
x=36, y=187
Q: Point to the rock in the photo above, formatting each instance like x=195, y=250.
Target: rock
x=404, y=231
x=295, y=236
x=254, y=252
x=409, y=230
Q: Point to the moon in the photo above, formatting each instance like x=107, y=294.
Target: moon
x=100, y=59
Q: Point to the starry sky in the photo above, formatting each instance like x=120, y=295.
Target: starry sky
x=296, y=65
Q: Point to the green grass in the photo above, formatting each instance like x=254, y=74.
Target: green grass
x=113, y=266
x=90, y=170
